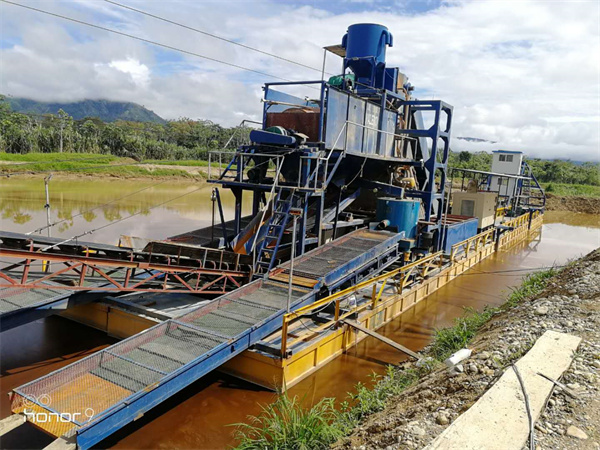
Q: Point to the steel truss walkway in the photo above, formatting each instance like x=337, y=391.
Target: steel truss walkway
x=46, y=272
x=95, y=396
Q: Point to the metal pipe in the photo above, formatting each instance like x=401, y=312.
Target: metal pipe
x=289, y=299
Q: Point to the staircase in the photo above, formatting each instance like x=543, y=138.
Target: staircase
x=267, y=249
x=531, y=194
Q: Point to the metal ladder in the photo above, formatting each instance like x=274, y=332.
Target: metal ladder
x=531, y=190
x=266, y=251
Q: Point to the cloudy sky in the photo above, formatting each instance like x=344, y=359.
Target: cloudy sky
x=525, y=75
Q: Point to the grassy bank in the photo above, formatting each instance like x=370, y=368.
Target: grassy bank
x=286, y=423
x=89, y=164
x=572, y=190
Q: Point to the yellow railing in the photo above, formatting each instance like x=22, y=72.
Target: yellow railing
x=537, y=220
x=473, y=243
x=400, y=277
x=517, y=221
x=405, y=275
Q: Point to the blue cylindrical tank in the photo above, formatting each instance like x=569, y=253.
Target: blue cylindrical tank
x=367, y=39
x=403, y=214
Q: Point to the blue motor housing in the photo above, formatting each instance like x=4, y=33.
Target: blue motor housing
x=270, y=138
x=365, y=45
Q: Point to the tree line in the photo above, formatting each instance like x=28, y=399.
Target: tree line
x=193, y=139
x=177, y=139
x=546, y=171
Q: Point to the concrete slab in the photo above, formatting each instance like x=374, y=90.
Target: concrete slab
x=62, y=443
x=499, y=419
x=10, y=423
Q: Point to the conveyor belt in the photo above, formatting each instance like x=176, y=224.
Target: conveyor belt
x=123, y=381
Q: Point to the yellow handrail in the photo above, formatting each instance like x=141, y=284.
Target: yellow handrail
x=361, y=285
x=423, y=264
x=482, y=239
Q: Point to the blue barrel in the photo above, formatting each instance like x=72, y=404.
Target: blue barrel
x=367, y=39
x=403, y=214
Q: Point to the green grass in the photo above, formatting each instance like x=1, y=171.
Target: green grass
x=182, y=162
x=88, y=158
x=572, y=190
x=365, y=401
x=285, y=424
x=531, y=285
x=92, y=164
x=449, y=340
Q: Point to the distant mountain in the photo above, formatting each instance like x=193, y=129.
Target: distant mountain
x=105, y=110
x=472, y=139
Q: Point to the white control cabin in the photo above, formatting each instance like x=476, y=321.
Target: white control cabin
x=509, y=163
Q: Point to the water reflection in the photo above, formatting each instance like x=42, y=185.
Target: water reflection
x=79, y=204
x=198, y=417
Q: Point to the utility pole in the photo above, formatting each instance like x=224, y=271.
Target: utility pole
x=47, y=205
x=47, y=208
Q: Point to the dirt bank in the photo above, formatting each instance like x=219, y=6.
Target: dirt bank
x=571, y=304
x=588, y=205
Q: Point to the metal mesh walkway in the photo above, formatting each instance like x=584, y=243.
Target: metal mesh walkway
x=99, y=394
x=327, y=258
x=12, y=299
x=137, y=363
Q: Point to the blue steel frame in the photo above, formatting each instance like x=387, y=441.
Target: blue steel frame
x=238, y=185
x=437, y=162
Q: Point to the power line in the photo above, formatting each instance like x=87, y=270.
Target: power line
x=97, y=207
x=114, y=222
x=214, y=36
x=148, y=41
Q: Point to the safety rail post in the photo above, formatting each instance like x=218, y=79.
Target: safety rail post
x=284, y=335
x=402, y=278
x=373, y=295
x=337, y=309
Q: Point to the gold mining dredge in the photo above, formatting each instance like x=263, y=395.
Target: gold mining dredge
x=354, y=220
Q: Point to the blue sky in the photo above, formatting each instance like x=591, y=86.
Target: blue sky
x=521, y=73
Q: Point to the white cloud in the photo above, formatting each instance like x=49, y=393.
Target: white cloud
x=140, y=73
x=524, y=74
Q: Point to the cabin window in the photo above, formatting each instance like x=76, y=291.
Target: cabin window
x=509, y=158
x=502, y=158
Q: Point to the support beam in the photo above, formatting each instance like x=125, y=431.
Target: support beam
x=381, y=338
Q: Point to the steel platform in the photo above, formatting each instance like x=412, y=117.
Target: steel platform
x=121, y=382
x=46, y=275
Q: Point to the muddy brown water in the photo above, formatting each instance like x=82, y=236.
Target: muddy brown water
x=199, y=416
